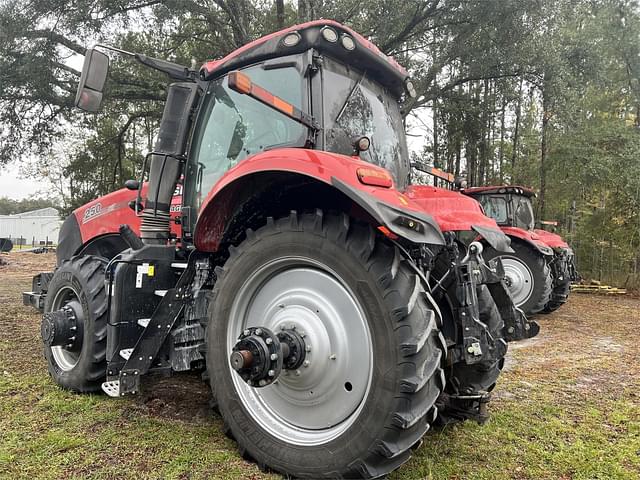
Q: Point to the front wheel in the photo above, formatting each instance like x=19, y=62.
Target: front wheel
x=366, y=390
x=74, y=326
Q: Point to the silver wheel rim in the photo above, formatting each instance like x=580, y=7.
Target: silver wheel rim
x=320, y=400
x=519, y=279
x=66, y=359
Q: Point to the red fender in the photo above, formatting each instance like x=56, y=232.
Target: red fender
x=452, y=210
x=529, y=237
x=339, y=171
x=552, y=239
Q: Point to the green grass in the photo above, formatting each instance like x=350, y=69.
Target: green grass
x=566, y=407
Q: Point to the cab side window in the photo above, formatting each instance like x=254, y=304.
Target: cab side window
x=238, y=126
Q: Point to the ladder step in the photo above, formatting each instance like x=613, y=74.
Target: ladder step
x=126, y=353
x=160, y=293
x=143, y=322
x=179, y=265
x=112, y=388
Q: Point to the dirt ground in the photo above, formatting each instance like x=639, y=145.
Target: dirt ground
x=567, y=406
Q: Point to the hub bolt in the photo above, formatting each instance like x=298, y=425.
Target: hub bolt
x=306, y=363
x=274, y=356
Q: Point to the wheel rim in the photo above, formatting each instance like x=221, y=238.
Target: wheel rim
x=320, y=400
x=519, y=279
x=64, y=358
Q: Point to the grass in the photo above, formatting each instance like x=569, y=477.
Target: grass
x=566, y=407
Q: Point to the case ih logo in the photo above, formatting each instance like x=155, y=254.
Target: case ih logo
x=92, y=212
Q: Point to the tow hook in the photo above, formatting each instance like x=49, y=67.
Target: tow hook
x=259, y=356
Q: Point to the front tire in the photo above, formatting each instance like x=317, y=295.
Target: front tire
x=527, y=276
x=374, y=336
x=78, y=285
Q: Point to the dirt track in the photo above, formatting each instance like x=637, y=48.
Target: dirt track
x=567, y=406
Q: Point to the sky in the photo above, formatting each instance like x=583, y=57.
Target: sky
x=13, y=185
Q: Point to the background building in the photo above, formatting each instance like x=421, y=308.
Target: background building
x=36, y=227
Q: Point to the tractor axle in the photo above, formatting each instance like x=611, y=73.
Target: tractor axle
x=259, y=356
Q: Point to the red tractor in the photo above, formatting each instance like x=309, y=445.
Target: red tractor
x=540, y=272
x=278, y=247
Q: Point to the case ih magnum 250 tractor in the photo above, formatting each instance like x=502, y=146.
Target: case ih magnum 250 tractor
x=278, y=246
x=539, y=275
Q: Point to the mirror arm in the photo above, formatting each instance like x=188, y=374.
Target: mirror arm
x=173, y=70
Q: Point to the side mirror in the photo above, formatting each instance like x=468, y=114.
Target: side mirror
x=92, y=79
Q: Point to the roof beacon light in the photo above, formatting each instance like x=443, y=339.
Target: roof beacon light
x=348, y=42
x=291, y=39
x=329, y=34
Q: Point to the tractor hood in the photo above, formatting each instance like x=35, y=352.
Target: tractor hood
x=455, y=212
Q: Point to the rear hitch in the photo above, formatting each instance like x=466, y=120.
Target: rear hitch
x=463, y=407
x=516, y=324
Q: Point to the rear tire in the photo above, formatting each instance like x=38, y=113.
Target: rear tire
x=79, y=282
x=405, y=354
x=527, y=275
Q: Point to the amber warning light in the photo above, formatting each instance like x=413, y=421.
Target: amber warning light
x=241, y=83
x=375, y=177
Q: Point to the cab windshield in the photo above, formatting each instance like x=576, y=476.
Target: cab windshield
x=522, y=212
x=354, y=106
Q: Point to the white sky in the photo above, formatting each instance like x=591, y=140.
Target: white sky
x=13, y=185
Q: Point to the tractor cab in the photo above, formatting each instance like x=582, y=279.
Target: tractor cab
x=509, y=206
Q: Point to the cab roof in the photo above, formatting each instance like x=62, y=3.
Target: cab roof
x=364, y=55
x=500, y=189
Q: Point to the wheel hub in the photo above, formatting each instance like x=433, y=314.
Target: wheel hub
x=260, y=356
x=519, y=280
x=60, y=328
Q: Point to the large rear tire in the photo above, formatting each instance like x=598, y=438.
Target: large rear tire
x=527, y=276
x=78, y=286
x=369, y=392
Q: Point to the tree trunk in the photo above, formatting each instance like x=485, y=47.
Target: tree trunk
x=436, y=159
x=501, y=150
x=280, y=13
x=544, y=150
x=516, y=134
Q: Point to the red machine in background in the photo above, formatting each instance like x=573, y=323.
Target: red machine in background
x=540, y=272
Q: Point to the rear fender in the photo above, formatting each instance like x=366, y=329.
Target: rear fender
x=329, y=181
x=529, y=238
x=457, y=212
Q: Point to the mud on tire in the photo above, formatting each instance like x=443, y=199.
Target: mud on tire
x=407, y=349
